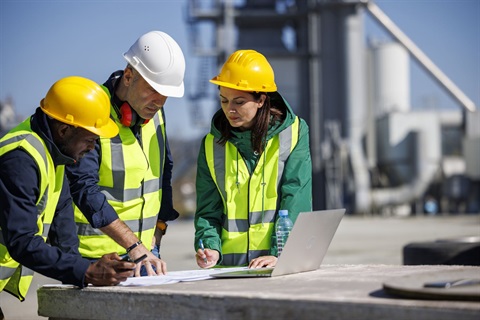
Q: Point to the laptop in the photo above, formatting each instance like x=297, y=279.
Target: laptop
x=305, y=249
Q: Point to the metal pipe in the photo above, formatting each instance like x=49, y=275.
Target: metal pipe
x=428, y=156
x=356, y=104
x=424, y=61
x=315, y=88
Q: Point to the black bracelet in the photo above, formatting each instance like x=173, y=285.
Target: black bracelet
x=133, y=246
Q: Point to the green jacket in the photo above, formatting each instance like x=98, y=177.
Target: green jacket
x=295, y=187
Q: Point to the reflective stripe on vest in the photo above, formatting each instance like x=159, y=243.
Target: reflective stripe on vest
x=14, y=277
x=130, y=177
x=247, y=229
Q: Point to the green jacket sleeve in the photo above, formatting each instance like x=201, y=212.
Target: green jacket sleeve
x=296, y=183
x=209, y=214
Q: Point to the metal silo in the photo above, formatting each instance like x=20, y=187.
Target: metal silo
x=391, y=87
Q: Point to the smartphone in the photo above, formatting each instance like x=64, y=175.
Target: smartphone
x=127, y=258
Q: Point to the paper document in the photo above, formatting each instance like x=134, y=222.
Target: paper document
x=177, y=276
x=170, y=277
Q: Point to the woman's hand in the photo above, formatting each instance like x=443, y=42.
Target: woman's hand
x=207, y=258
x=264, y=261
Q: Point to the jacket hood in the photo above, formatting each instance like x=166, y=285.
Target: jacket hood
x=39, y=125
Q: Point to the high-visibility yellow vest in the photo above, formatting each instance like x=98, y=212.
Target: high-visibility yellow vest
x=14, y=277
x=250, y=200
x=130, y=176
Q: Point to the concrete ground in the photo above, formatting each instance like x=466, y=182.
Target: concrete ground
x=359, y=240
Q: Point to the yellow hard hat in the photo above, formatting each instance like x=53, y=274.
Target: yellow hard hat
x=80, y=102
x=246, y=70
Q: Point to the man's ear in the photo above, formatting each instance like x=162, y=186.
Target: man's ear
x=62, y=129
x=127, y=77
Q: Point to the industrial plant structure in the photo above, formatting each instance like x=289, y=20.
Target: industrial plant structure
x=371, y=152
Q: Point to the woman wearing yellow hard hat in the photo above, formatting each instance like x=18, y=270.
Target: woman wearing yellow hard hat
x=254, y=162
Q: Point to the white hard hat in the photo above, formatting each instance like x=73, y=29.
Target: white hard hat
x=160, y=61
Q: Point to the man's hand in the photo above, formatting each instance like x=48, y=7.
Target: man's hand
x=109, y=270
x=150, y=262
x=122, y=234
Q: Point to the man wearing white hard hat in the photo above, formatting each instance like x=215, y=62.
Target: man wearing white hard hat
x=122, y=189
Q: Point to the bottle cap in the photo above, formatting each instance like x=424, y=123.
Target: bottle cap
x=283, y=213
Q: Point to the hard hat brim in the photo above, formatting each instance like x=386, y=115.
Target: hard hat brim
x=167, y=91
x=109, y=130
x=236, y=87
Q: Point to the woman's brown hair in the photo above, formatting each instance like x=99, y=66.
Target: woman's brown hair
x=265, y=115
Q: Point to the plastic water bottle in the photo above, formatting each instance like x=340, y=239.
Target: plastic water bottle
x=282, y=229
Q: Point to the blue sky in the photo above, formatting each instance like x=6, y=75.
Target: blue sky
x=42, y=41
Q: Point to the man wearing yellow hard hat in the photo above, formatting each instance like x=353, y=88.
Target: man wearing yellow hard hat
x=36, y=205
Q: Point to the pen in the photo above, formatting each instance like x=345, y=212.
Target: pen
x=127, y=258
x=451, y=284
x=200, y=243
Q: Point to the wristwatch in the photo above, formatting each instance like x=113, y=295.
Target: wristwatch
x=162, y=226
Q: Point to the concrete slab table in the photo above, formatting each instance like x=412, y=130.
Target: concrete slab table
x=332, y=292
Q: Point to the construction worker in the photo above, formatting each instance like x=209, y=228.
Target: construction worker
x=35, y=198
x=122, y=189
x=254, y=162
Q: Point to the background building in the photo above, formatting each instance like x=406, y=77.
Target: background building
x=371, y=151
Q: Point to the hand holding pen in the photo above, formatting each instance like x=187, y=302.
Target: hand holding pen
x=206, y=258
